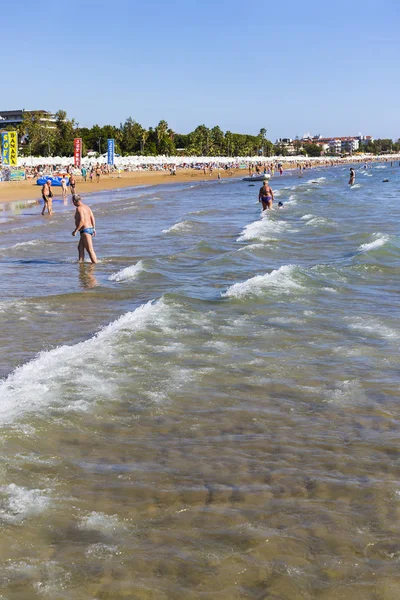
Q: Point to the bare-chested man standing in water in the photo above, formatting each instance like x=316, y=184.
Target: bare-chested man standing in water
x=86, y=225
x=47, y=196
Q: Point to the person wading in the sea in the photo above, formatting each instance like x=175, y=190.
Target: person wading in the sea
x=86, y=225
x=47, y=196
x=72, y=184
x=266, y=195
x=352, y=176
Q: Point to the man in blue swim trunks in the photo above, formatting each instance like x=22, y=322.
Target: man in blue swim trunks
x=86, y=225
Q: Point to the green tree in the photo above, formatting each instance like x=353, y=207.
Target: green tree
x=297, y=144
x=268, y=148
x=228, y=143
x=217, y=140
x=280, y=150
x=200, y=140
x=40, y=134
x=131, y=137
x=313, y=149
x=143, y=139
x=262, y=136
x=165, y=138
x=65, y=134
x=151, y=144
x=182, y=141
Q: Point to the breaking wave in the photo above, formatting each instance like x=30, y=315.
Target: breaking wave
x=178, y=227
x=377, y=243
x=279, y=281
x=128, y=273
x=262, y=230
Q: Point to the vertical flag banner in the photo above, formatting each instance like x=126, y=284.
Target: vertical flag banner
x=13, y=137
x=77, y=152
x=9, y=148
x=110, y=152
x=5, y=149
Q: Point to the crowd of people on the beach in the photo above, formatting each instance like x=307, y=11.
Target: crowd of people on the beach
x=36, y=167
x=93, y=172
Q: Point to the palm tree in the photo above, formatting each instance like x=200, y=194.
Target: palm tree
x=262, y=135
x=161, y=133
x=143, y=140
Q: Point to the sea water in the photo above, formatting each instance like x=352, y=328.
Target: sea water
x=212, y=411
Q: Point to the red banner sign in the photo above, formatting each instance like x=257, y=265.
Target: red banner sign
x=77, y=152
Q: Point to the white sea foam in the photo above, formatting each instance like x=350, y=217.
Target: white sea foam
x=373, y=327
x=307, y=217
x=348, y=391
x=178, y=227
x=19, y=503
x=377, y=243
x=292, y=199
x=22, y=245
x=53, y=579
x=177, y=376
x=285, y=321
x=101, y=522
x=219, y=346
x=317, y=222
x=128, y=273
x=262, y=229
x=248, y=247
x=100, y=551
x=317, y=180
x=355, y=186
x=57, y=377
x=5, y=306
x=279, y=281
x=78, y=377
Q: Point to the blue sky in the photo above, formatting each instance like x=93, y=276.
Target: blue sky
x=292, y=67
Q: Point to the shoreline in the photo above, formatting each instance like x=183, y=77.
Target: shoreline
x=14, y=191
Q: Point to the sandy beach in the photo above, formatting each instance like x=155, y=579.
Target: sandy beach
x=28, y=190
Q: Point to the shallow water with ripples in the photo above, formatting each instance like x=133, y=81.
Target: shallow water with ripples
x=212, y=411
